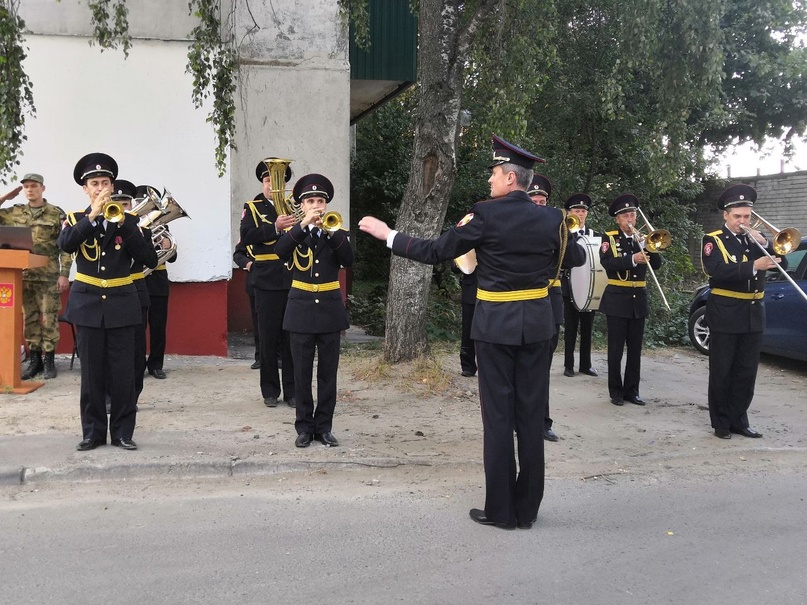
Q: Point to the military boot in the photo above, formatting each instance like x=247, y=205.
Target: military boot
x=50, y=366
x=34, y=365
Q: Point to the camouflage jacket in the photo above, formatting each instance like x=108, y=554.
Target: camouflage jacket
x=46, y=224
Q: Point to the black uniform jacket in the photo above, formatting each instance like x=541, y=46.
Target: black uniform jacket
x=242, y=256
x=310, y=310
x=517, y=248
x=157, y=280
x=729, y=265
x=104, y=257
x=258, y=231
x=616, y=254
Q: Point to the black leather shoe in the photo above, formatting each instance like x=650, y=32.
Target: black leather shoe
x=636, y=400
x=549, y=435
x=722, y=433
x=270, y=402
x=327, y=439
x=157, y=373
x=589, y=372
x=256, y=365
x=291, y=402
x=124, y=443
x=617, y=401
x=468, y=373
x=747, y=432
x=89, y=444
x=480, y=517
x=526, y=524
x=303, y=440
x=568, y=372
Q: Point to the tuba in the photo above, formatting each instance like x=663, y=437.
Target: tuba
x=155, y=214
x=284, y=204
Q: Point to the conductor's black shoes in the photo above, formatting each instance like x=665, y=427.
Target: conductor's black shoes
x=89, y=444
x=480, y=517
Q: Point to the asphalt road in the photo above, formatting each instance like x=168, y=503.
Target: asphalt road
x=346, y=537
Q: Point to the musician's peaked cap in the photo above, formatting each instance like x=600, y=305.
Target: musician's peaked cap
x=507, y=153
x=95, y=164
x=624, y=203
x=123, y=190
x=311, y=185
x=737, y=196
x=540, y=186
x=263, y=169
x=143, y=190
x=578, y=200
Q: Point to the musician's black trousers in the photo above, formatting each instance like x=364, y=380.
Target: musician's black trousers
x=572, y=321
x=270, y=306
x=303, y=346
x=107, y=361
x=733, y=363
x=624, y=331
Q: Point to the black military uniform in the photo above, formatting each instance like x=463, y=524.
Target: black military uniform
x=468, y=301
x=159, y=289
x=575, y=320
x=542, y=186
x=315, y=314
x=624, y=303
x=104, y=307
x=125, y=191
x=517, y=247
x=242, y=256
x=735, y=314
x=271, y=282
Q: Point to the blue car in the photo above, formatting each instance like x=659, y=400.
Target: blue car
x=785, y=310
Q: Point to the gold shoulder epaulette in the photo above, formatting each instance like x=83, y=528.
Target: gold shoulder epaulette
x=71, y=218
x=715, y=233
x=614, y=232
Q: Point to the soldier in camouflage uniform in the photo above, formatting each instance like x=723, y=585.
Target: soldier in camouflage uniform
x=42, y=286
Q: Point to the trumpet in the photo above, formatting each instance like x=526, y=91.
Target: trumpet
x=331, y=221
x=784, y=242
x=113, y=212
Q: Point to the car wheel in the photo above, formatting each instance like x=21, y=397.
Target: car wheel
x=699, y=331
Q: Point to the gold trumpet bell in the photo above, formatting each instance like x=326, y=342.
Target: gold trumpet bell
x=331, y=221
x=657, y=240
x=113, y=213
x=572, y=223
x=786, y=241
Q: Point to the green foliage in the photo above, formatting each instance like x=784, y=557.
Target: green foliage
x=213, y=63
x=110, y=27
x=16, y=95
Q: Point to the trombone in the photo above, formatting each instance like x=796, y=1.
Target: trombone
x=655, y=241
x=784, y=241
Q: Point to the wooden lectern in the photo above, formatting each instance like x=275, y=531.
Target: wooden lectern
x=12, y=262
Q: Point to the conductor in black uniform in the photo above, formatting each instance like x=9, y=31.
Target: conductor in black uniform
x=578, y=205
x=103, y=304
x=517, y=245
x=624, y=301
x=261, y=226
x=735, y=312
x=315, y=313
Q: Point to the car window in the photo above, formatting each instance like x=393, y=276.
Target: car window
x=790, y=263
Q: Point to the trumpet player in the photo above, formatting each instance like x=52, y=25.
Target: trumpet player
x=735, y=311
x=315, y=314
x=624, y=301
x=103, y=303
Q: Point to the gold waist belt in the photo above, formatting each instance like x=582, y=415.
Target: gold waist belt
x=267, y=257
x=743, y=295
x=627, y=284
x=136, y=276
x=511, y=296
x=301, y=285
x=554, y=283
x=104, y=283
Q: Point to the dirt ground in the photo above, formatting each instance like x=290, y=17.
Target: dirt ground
x=427, y=415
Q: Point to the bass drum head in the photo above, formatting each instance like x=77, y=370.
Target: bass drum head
x=587, y=282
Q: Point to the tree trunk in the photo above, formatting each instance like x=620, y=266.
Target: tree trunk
x=442, y=48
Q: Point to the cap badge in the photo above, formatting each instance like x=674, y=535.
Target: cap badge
x=98, y=166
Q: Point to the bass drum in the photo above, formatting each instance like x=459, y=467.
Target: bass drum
x=587, y=282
